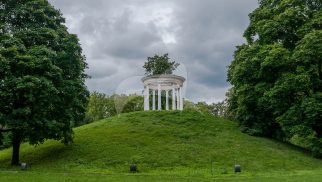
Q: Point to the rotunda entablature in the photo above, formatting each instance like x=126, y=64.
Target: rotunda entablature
x=167, y=82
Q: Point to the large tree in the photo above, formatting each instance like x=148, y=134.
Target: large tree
x=277, y=74
x=42, y=76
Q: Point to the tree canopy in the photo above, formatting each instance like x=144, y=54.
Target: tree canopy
x=277, y=74
x=42, y=76
x=158, y=65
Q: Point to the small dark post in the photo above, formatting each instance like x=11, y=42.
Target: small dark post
x=23, y=166
x=237, y=168
x=133, y=168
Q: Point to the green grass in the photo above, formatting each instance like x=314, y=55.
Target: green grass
x=53, y=177
x=166, y=146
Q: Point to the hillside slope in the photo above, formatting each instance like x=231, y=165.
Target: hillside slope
x=181, y=143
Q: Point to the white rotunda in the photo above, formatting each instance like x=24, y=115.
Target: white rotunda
x=172, y=85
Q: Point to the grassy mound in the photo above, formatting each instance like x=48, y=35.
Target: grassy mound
x=178, y=143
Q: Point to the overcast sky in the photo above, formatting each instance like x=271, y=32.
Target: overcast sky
x=117, y=37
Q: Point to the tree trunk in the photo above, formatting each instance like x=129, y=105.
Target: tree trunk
x=16, y=140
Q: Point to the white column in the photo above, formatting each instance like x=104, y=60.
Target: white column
x=173, y=99
x=178, y=99
x=153, y=100
x=144, y=98
x=147, y=99
x=159, y=97
x=181, y=99
x=167, y=100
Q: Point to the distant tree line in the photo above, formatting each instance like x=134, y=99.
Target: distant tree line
x=101, y=106
x=277, y=74
x=218, y=109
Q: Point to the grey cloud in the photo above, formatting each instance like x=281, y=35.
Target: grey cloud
x=209, y=31
x=101, y=69
x=121, y=37
x=117, y=36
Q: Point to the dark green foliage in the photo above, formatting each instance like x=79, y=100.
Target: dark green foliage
x=42, y=76
x=5, y=141
x=158, y=65
x=277, y=75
